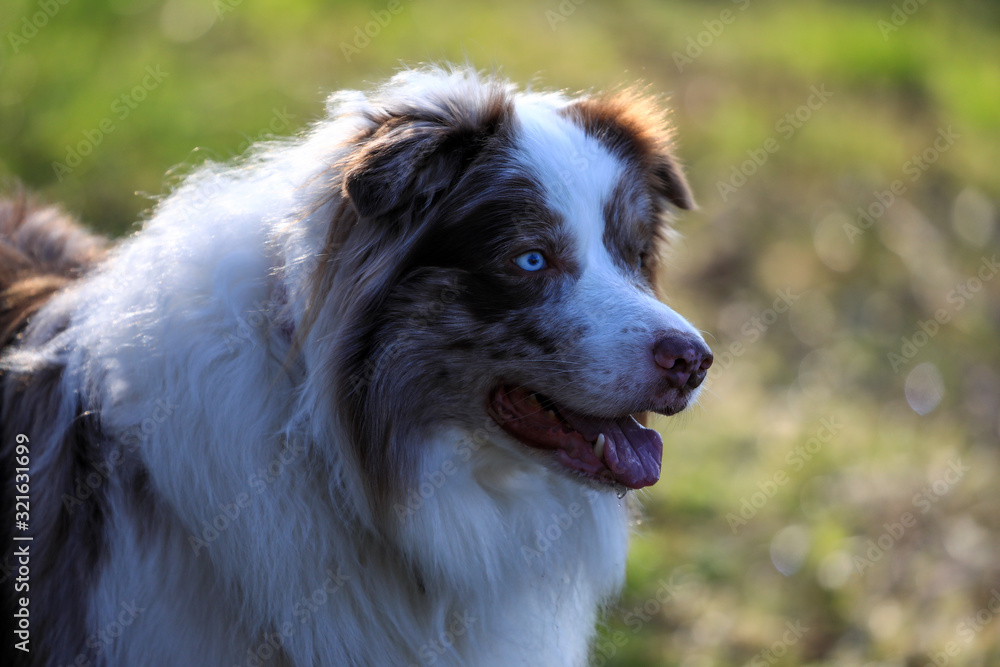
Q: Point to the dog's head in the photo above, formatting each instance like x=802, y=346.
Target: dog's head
x=492, y=261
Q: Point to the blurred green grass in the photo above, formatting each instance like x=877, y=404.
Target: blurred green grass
x=699, y=593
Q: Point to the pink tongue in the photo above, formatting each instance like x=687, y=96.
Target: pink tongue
x=632, y=452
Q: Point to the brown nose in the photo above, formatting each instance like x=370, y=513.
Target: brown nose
x=683, y=359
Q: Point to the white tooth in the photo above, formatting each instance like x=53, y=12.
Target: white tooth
x=551, y=414
x=599, y=446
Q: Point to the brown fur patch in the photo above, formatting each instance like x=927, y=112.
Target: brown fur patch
x=634, y=127
x=634, y=232
x=20, y=301
x=41, y=251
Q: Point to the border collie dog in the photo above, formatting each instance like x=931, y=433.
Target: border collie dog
x=371, y=396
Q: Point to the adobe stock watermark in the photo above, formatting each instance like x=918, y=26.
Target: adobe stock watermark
x=966, y=631
x=103, y=638
x=957, y=299
x=223, y=7
x=581, y=159
x=666, y=591
x=30, y=26
x=261, y=315
x=279, y=123
x=775, y=653
x=132, y=438
x=434, y=480
x=303, y=610
x=924, y=500
x=230, y=512
x=269, y=647
x=101, y=641
x=308, y=605
x=786, y=127
x=915, y=167
x=199, y=199
x=545, y=537
x=364, y=34
x=563, y=11
x=795, y=460
x=431, y=651
x=121, y=108
x=696, y=45
x=559, y=524
x=636, y=618
x=901, y=13
x=423, y=320
x=754, y=329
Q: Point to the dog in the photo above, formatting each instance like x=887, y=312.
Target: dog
x=373, y=395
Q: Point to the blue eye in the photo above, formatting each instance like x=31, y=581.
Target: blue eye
x=533, y=260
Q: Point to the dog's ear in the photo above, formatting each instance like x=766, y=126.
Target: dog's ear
x=391, y=164
x=668, y=181
x=411, y=161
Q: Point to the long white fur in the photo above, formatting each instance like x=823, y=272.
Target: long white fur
x=510, y=580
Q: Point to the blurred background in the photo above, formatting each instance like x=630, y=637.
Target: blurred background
x=833, y=499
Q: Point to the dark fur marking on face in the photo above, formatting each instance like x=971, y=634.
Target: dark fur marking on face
x=542, y=337
x=628, y=226
x=399, y=186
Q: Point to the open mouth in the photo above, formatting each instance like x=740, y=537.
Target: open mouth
x=613, y=451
